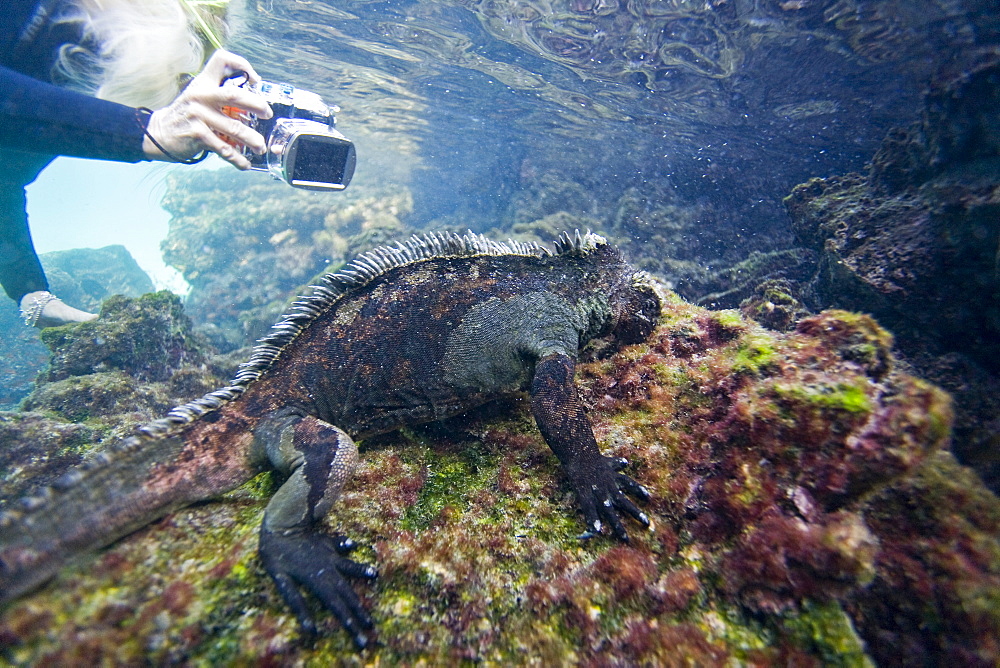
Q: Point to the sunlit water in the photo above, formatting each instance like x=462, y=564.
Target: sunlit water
x=734, y=101
x=729, y=99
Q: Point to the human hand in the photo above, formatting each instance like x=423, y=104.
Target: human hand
x=189, y=124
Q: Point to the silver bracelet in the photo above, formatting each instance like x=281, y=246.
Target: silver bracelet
x=34, y=312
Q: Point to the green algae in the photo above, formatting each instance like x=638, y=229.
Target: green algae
x=450, y=483
x=847, y=397
x=827, y=632
x=735, y=629
x=729, y=319
x=475, y=533
x=754, y=354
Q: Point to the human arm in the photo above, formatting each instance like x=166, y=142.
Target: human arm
x=41, y=118
x=37, y=117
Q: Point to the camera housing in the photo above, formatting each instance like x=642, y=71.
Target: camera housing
x=304, y=148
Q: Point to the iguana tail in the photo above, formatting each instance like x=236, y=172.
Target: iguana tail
x=107, y=497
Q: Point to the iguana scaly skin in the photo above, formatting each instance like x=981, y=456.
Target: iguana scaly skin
x=403, y=335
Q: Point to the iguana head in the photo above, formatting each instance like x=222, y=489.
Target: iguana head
x=635, y=310
x=631, y=295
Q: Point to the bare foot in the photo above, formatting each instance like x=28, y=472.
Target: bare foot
x=43, y=309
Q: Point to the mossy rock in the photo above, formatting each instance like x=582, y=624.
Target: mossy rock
x=79, y=397
x=146, y=337
x=763, y=468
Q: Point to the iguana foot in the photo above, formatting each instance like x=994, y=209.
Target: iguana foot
x=600, y=490
x=298, y=559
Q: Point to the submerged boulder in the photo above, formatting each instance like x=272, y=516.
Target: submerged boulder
x=915, y=242
x=149, y=336
x=139, y=359
x=85, y=277
x=915, y=239
x=82, y=277
x=794, y=476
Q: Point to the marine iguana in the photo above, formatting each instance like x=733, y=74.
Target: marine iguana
x=403, y=335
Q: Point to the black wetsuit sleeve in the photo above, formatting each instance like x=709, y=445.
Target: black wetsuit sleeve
x=38, y=117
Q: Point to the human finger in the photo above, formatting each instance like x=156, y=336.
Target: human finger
x=207, y=88
x=212, y=142
x=233, y=128
x=224, y=64
x=241, y=98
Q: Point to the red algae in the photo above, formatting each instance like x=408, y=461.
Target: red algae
x=648, y=642
x=783, y=560
x=626, y=569
x=675, y=590
x=801, y=514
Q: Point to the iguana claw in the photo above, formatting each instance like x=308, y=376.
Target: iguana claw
x=299, y=559
x=601, y=491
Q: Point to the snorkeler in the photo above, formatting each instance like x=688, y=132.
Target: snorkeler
x=127, y=55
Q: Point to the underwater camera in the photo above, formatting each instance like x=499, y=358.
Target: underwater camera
x=304, y=148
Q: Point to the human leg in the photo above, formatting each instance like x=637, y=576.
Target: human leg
x=21, y=273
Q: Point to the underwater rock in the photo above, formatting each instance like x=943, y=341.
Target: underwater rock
x=914, y=241
x=957, y=127
x=552, y=192
x=936, y=568
x=224, y=228
x=731, y=286
x=699, y=248
x=781, y=466
x=82, y=277
x=246, y=245
x=775, y=305
x=35, y=449
x=656, y=225
x=148, y=337
x=85, y=277
x=898, y=240
x=976, y=391
x=130, y=366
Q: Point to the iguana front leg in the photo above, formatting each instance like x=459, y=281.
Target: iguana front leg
x=564, y=425
x=318, y=459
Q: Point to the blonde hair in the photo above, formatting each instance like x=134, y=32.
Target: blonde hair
x=136, y=52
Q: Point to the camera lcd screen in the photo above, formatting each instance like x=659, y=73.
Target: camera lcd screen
x=323, y=160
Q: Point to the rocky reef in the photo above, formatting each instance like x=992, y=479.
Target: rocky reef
x=914, y=240
x=805, y=511
x=83, y=277
x=140, y=358
x=246, y=244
